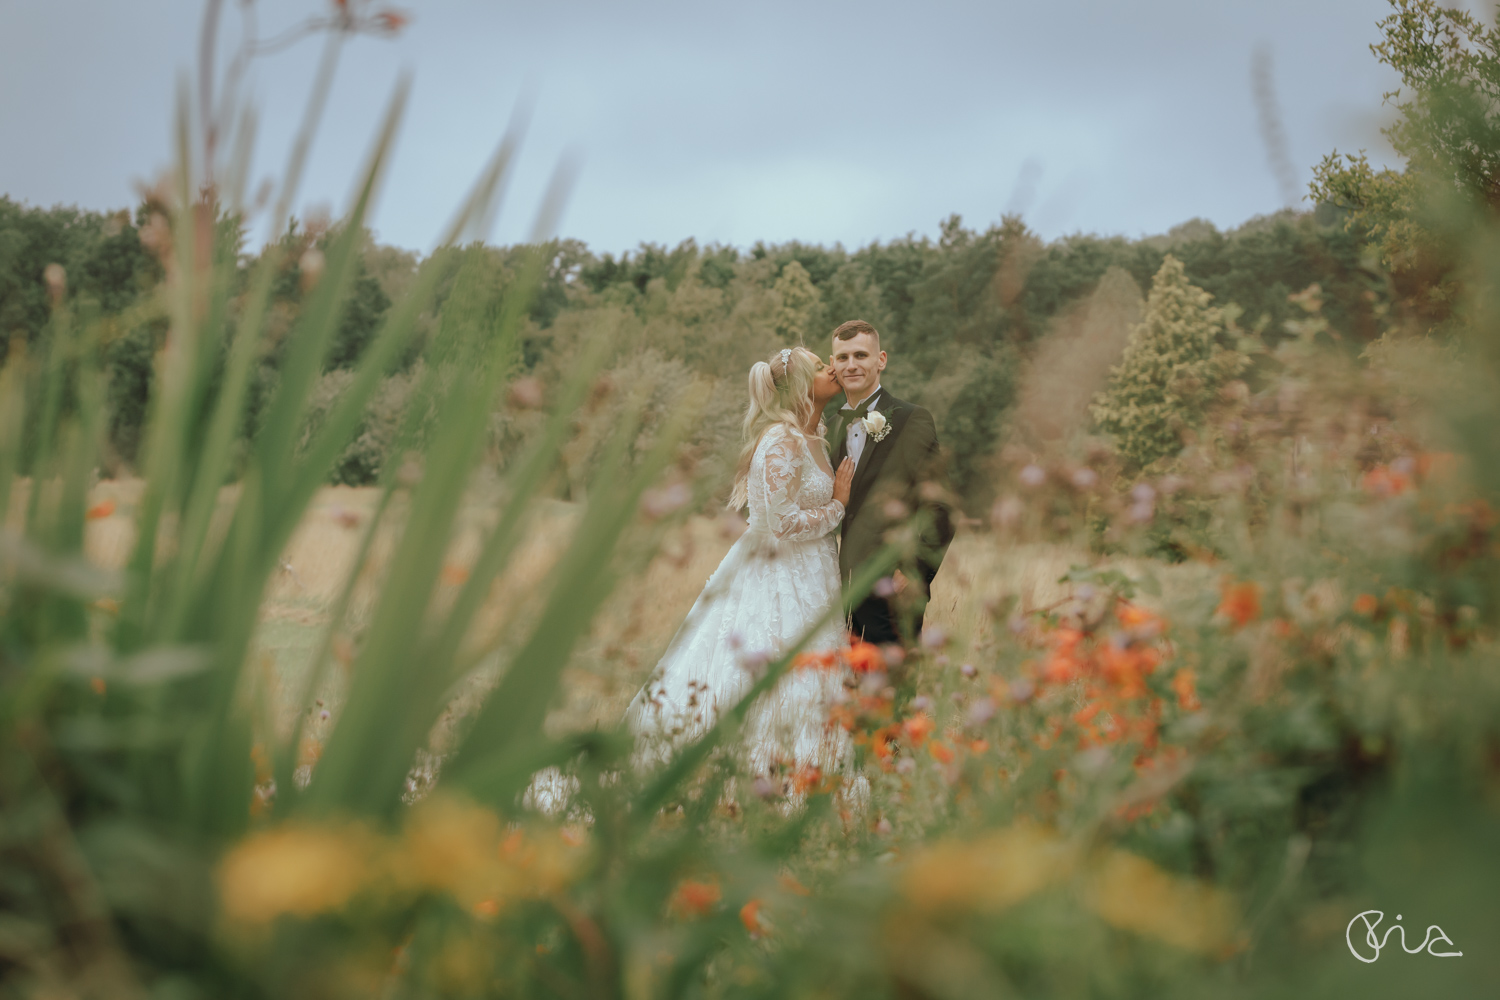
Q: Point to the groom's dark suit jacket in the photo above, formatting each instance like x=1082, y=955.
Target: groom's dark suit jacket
x=895, y=469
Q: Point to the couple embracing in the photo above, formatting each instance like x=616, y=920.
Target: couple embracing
x=821, y=503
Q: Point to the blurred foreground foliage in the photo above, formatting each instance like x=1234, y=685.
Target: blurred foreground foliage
x=1177, y=778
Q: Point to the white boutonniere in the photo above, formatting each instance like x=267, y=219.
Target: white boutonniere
x=876, y=425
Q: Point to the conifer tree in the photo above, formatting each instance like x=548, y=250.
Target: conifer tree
x=1171, y=366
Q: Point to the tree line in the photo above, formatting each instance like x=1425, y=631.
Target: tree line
x=979, y=322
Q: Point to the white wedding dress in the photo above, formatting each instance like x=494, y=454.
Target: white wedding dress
x=778, y=580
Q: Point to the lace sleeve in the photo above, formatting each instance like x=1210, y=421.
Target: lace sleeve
x=783, y=481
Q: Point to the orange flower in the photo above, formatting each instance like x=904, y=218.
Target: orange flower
x=941, y=752
x=750, y=917
x=1060, y=669
x=694, y=899
x=1184, y=682
x=1086, y=714
x=512, y=844
x=1064, y=640
x=390, y=21
x=1366, y=604
x=805, y=779
x=791, y=885
x=822, y=661
x=486, y=908
x=262, y=762
x=454, y=575
x=101, y=510
x=97, y=684
x=918, y=728
x=1134, y=616
x=865, y=657
x=979, y=746
x=309, y=752
x=1241, y=603
x=1125, y=667
x=1383, y=481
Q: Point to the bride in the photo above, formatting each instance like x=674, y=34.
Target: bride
x=778, y=580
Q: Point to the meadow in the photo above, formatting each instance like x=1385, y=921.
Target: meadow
x=626, y=639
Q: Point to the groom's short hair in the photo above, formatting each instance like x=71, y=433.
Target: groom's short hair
x=855, y=327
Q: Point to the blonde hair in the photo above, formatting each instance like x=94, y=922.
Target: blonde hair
x=780, y=393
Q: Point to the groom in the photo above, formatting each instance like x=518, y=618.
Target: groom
x=896, y=476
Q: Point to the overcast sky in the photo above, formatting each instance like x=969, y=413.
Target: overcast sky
x=735, y=122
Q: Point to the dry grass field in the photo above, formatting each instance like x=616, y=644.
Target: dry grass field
x=629, y=635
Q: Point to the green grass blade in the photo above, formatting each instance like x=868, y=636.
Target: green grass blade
x=513, y=713
x=365, y=763
x=12, y=419
x=539, y=460
x=168, y=418
x=313, y=333
x=213, y=466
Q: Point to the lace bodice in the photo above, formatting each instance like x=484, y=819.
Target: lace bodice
x=789, y=493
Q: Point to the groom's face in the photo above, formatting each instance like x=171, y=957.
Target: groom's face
x=858, y=362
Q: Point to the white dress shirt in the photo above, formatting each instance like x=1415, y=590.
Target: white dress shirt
x=856, y=435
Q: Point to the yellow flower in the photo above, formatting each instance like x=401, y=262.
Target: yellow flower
x=1133, y=894
x=989, y=874
x=296, y=870
x=453, y=845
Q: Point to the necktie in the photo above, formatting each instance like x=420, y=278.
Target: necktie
x=847, y=417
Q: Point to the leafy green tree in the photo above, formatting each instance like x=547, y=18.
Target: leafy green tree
x=1447, y=130
x=971, y=426
x=1172, y=364
x=797, y=303
x=851, y=293
x=363, y=312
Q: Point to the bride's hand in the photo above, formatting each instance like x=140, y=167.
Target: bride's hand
x=841, y=480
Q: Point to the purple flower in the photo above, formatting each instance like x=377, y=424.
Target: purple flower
x=754, y=662
x=1006, y=512
x=661, y=502
x=1033, y=475
x=968, y=670
x=981, y=711
x=1022, y=690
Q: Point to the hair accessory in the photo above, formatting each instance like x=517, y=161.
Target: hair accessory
x=786, y=358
